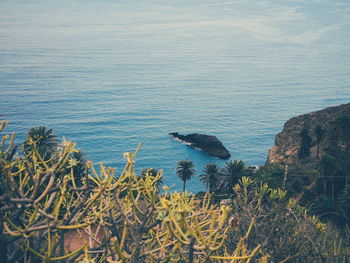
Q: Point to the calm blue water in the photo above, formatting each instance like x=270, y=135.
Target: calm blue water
x=109, y=74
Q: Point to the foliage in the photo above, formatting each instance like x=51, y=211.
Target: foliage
x=284, y=229
x=344, y=202
x=329, y=166
x=153, y=173
x=334, y=167
x=319, y=134
x=43, y=139
x=50, y=213
x=46, y=216
x=211, y=176
x=271, y=175
x=305, y=144
x=341, y=130
x=231, y=173
x=185, y=171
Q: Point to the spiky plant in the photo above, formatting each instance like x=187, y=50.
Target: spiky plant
x=154, y=173
x=43, y=139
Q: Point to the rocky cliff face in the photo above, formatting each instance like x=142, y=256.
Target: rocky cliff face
x=288, y=141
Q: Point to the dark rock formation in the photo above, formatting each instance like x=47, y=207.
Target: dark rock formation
x=288, y=142
x=209, y=144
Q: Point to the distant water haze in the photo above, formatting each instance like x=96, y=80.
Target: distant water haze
x=110, y=74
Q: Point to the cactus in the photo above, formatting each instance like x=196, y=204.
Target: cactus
x=48, y=213
x=51, y=214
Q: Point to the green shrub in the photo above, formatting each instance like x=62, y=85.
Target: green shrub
x=283, y=228
x=55, y=206
x=48, y=213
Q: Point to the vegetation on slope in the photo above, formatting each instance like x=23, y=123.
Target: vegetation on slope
x=314, y=150
x=55, y=206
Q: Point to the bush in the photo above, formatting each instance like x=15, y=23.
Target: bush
x=283, y=228
x=50, y=214
x=51, y=211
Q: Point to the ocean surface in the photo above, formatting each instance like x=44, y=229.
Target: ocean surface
x=110, y=74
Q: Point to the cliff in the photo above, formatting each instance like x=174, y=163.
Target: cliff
x=288, y=142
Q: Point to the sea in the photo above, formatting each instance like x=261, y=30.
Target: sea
x=110, y=74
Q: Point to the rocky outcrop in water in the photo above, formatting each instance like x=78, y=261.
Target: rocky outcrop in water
x=207, y=143
x=288, y=142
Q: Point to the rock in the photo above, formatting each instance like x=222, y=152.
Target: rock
x=207, y=143
x=288, y=141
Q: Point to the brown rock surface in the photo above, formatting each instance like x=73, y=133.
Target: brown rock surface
x=287, y=142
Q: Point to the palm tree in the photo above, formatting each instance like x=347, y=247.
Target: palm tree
x=341, y=138
x=344, y=202
x=231, y=173
x=185, y=171
x=45, y=141
x=341, y=130
x=319, y=133
x=329, y=165
x=305, y=144
x=211, y=176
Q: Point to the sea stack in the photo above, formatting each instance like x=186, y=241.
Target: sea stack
x=207, y=143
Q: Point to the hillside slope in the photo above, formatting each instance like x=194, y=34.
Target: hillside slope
x=288, y=141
